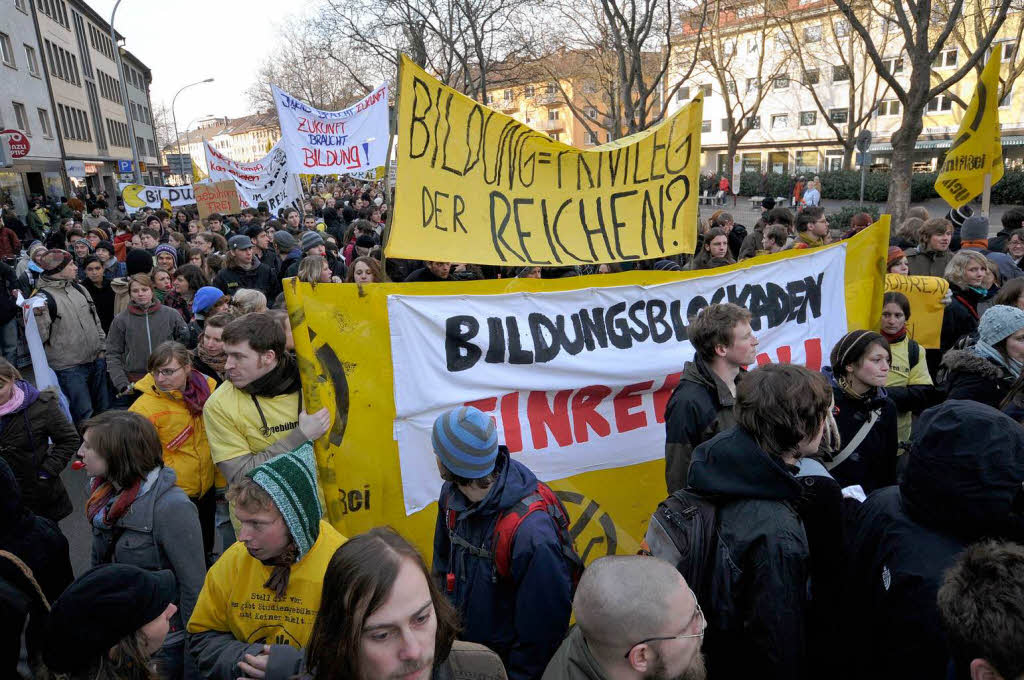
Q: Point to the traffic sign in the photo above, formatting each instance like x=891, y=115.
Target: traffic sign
x=124, y=166
x=864, y=140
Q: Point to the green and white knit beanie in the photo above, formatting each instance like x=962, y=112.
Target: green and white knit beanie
x=290, y=479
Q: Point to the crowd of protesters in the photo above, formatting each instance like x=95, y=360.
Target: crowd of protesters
x=866, y=519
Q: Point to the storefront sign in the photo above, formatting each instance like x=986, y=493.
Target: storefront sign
x=75, y=168
x=17, y=142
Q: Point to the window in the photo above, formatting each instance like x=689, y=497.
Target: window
x=74, y=123
x=947, y=58
x=1004, y=49
x=807, y=162
x=842, y=27
x=705, y=126
x=590, y=138
x=751, y=45
x=839, y=115
x=557, y=136
x=840, y=73
x=527, y=91
x=893, y=65
x=889, y=107
x=44, y=123
x=939, y=104
x=554, y=114
x=812, y=76
x=22, y=5
x=590, y=112
x=725, y=125
x=551, y=88
x=808, y=118
x=780, y=82
x=6, y=51
x=730, y=86
x=753, y=84
x=589, y=88
x=780, y=121
x=682, y=94
x=508, y=95
x=56, y=10
x=118, y=132
x=812, y=34
x=30, y=59
x=21, y=116
x=754, y=123
x=706, y=89
x=1006, y=100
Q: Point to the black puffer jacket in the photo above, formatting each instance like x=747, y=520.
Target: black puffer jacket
x=965, y=375
x=962, y=483
x=261, y=278
x=25, y=444
x=960, y=318
x=757, y=623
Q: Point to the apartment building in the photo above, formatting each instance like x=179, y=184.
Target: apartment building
x=26, y=109
x=244, y=139
x=60, y=86
x=797, y=80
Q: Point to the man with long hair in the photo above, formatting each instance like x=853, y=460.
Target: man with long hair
x=383, y=617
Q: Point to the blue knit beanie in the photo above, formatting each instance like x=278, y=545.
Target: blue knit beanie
x=466, y=441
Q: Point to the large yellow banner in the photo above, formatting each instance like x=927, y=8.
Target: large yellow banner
x=977, y=150
x=474, y=185
x=348, y=342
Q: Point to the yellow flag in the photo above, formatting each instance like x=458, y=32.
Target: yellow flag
x=197, y=172
x=478, y=186
x=977, y=150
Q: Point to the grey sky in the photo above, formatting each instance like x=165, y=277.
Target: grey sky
x=183, y=41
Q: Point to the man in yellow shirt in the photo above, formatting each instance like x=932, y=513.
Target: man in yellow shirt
x=257, y=607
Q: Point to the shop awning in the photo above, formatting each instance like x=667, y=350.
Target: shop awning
x=926, y=144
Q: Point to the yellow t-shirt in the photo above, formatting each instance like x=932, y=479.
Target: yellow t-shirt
x=233, y=599
x=233, y=424
x=902, y=374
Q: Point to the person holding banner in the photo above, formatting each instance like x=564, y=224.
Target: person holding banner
x=909, y=384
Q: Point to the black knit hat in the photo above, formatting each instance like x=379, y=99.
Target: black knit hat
x=851, y=348
x=104, y=606
x=138, y=261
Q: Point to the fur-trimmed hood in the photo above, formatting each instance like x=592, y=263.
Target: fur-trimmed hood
x=964, y=360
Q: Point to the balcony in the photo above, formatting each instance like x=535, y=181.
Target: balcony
x=505, y=105
x=550, y=125
x=548, y=99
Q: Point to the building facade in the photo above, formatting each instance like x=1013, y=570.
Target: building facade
x=798, y=83
x=244, y=139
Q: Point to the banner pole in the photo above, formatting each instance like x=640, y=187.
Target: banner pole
x=986, y=196
x=392, y=129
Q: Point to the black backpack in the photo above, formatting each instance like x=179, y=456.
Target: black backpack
x=684, y=531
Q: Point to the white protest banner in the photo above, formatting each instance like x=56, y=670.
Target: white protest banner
x=266, y=180
x=578, y=380
x=334, y=142
x=140, y=196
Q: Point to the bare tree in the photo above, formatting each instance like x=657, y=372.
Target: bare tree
x=925, y=29
x=969, y=32
x=163, y=125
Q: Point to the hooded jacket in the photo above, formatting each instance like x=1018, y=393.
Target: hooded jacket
x=260, y=277
x=134, y=334
x=872, y=465
x=182, y=435
x=928, y=262
x=35, y=540
x=757, y=621
x=962, y=481
x=121, y=297
x=574, y=661
x=75, y=335
x=159, y=531
x=25, y=437
x=700, y=407
x=525, y=617
x=969, y=376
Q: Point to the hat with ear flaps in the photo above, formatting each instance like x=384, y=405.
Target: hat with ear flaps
x=290, y=480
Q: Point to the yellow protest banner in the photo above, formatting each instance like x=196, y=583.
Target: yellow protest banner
x=474, y=185
x=977, y=150
x=925, y=294
x=350, y=338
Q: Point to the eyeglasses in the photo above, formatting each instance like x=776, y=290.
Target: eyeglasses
x=167, y=372
x=696, y=613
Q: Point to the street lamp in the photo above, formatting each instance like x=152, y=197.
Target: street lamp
x=174, y=116
x=124, y=95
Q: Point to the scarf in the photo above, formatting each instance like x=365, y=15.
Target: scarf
x=216, y=362
x=102, y=492
x=143, y=311
x=282, y=571
x=808, y=238
x=159, y=294
x=15, y=402
x=282, y=379
x=196, y=392
x=987, y=351
x=893, y=338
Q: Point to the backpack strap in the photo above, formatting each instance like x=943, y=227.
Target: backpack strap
x=913, y=352
x=505, y=529
x=856, y=441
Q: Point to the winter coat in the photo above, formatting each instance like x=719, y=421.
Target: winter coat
x=75, y=335
x=182, y=435
x=25, y=438
x=524, y=617
x=10, y=244
x=752, y=243
x=700, y=407
x=261, y=278
x=928, y=262
x=961, y=316
x=159, y=531
x=36, y=541
x=962, y=478
x=104, y=299
x=8, y=288
x=757, y=619
x=872, y=465
x=574, y=660
x=969, y=376
x=121, y=297
x=999, y=241
x=134, y=335
x=737, y=237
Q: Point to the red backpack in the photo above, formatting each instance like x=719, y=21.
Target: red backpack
x=505, y=528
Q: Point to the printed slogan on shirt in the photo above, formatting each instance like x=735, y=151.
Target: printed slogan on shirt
x=479, y=186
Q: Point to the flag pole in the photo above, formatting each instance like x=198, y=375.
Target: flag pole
x=986, y=196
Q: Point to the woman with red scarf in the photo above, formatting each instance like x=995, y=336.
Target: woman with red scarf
x=173, y=396
x=139, y=516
